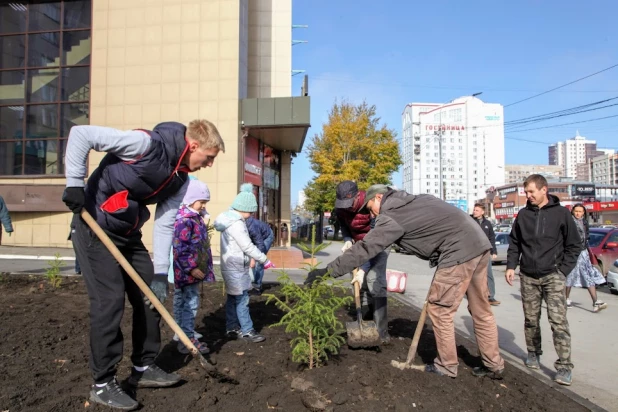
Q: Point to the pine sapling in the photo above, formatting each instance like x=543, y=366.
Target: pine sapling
x=52, y=273
x=310, y=313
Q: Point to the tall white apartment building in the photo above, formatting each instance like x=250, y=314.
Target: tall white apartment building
x=571, y=152
x=469, y=134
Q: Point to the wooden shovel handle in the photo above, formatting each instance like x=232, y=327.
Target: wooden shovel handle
x=357, y=300
x=419, y=329
x=94, y=226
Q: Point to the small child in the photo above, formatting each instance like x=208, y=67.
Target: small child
x=261, y=236
x=236, y=253
x=192, y=260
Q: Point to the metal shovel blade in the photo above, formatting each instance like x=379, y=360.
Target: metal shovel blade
x=363, y=335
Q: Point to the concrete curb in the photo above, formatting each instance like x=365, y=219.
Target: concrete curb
x=516, y=362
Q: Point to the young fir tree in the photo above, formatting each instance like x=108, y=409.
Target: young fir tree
x=310, y=313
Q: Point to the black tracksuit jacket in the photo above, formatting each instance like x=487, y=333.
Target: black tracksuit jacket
x=544, y=241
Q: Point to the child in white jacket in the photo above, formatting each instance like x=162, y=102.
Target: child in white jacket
x=236, y=254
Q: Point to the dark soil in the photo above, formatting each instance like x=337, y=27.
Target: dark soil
x=44, y=364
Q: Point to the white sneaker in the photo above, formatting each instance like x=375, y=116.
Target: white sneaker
x=598, y=305
x=196, y=335
x=569, y=303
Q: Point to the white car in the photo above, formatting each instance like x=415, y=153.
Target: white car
x=502, y=246
x=612, y=278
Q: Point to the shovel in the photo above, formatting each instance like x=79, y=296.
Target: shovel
x=94, y=226
x=361, y=334
x=409, y=363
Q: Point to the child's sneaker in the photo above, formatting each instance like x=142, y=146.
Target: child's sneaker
x=569, y=303
x=253, y=336
x=196, y=335
x=598, y=305
x=201, y=347
x=233, y=334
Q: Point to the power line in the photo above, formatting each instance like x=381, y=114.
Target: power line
x=560, y=87
x=559, y=113
x=564, y=124
x=463, y=88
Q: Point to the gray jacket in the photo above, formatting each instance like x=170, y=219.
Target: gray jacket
x=236, y=251
x=422, y=225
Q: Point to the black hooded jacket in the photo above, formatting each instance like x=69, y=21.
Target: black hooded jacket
x=544, y=240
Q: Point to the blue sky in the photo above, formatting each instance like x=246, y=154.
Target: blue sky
x=398, y=51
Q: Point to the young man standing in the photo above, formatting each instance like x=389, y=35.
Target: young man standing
x=140, y=168
x=478, y=214
x=433, y=230
x=354, y=227
x=545, y=243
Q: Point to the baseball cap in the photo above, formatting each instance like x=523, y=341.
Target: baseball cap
x=346, y=192
x=372, y=192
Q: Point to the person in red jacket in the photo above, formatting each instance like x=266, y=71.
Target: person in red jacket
x=371, y=276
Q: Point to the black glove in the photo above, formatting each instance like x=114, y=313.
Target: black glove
x=74, y=198
x=314, y=275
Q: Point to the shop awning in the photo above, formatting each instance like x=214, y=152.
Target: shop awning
x=280, y=122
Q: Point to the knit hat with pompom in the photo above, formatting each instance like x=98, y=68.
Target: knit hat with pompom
x=245, y=200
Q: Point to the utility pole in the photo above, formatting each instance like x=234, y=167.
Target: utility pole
x=439, y=136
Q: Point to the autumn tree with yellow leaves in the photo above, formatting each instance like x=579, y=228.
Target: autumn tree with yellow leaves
x=354, y=146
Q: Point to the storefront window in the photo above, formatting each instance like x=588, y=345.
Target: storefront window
x=45, y=51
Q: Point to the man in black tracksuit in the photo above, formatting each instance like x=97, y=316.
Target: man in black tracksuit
x=545, y=243
x=478, y=214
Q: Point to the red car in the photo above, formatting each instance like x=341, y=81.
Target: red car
x=604, y=245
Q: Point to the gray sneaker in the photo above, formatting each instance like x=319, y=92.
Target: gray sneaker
x=563, y=377
x=113, y=396
x=153, y=377
x=253, y=336
x=533, y=361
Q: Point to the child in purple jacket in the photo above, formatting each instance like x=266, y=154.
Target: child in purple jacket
x=192, y=260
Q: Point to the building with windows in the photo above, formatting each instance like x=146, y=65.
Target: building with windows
x=132, y=64
x=453, y=150
x=519, y=173
x=604, y=169
x=572, y=152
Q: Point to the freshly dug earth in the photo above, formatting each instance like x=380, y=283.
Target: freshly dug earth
x=44, y=356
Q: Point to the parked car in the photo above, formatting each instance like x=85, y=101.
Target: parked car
x=612, y=278
x=502, y=246
x=604, y=245
x=502, y=228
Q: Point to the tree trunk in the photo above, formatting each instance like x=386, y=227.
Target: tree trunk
x=310, y=349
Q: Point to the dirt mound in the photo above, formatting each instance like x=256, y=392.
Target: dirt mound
x=44, y=356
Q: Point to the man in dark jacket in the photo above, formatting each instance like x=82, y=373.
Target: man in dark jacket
x=140, y=168
x=478, y=214
x=433, y=230
x=261, y=236
x=371, y=275
x=5, y=218
x=544, y=242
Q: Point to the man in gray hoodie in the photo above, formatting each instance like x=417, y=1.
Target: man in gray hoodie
x=433, y=230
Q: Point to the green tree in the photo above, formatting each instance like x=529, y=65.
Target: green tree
x=354, y=146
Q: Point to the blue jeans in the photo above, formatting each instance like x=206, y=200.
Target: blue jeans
x=491, y=284
x=258, y=272
x=186, y=302
x=237, y=313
